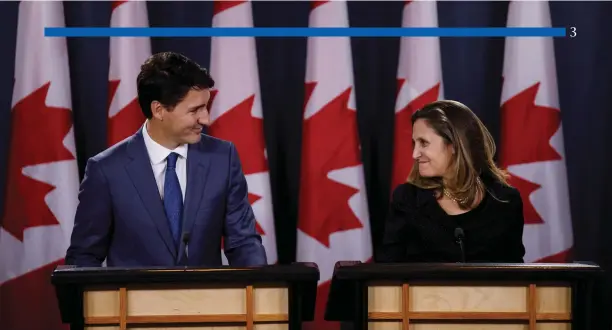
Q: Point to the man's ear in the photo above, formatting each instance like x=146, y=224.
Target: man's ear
x=157, y=109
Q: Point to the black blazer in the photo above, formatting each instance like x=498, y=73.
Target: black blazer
x=417, y=229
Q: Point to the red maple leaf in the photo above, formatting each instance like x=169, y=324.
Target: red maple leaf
x=331, y=142
x=37, y=137
x=315, y=4
x=526, y=132
x=246, y=132
x=127, y=121
x=402, y=144
x=115, y=4
x=219, y=6
x=526, y=187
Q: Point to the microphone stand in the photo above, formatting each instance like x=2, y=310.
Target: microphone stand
x=459, y=237
x=185, y=239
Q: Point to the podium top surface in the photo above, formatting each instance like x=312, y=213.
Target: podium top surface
x=296, y=272
x=357, y=271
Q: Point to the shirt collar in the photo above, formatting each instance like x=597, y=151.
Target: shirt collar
x=157, y=152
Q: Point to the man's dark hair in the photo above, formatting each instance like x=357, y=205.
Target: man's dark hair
x=167, y=77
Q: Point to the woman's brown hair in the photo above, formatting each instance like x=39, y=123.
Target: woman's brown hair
x=473, y=157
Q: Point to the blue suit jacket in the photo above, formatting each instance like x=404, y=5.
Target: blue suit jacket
x=121, y=218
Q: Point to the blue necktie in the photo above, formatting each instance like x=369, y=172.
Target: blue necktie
x=173, y=198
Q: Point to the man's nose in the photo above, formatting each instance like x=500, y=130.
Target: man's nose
x=204, y=118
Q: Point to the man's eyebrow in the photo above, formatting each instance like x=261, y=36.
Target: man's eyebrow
x=198, y=106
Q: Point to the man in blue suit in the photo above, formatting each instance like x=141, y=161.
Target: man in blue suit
x=168, y=194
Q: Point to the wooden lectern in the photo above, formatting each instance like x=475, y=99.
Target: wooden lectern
x=260, y=298
x=463, y=296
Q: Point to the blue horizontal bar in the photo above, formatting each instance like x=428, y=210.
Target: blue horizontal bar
x=302, y=32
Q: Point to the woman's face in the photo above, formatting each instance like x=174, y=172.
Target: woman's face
x=430, y=152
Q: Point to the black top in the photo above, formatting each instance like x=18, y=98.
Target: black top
x=417, y=229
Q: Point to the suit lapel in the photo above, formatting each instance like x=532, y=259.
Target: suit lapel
x=198, y=166
x=141, y=173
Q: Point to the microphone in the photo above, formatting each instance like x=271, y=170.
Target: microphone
x=459, y=236
x=185, y=239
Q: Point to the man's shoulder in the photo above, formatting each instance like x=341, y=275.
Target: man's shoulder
x=115, y=153
x=213, y=144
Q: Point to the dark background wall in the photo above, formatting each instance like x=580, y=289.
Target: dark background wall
x=472, y=70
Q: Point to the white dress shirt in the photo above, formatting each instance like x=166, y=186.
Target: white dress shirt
x=157, y=157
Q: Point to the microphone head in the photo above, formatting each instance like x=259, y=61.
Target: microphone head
x=185, y=237
x=459, y=233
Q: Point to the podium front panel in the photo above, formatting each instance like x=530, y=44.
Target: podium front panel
x=156, y=307
x=440, y=305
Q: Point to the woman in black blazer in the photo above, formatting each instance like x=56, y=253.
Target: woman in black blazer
x=455, y=195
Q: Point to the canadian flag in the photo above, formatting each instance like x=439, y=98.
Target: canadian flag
x=236, y=114
x=43, y=182
x=419, y=80
x=333, y=220
x=532, y=136
x=126, y=56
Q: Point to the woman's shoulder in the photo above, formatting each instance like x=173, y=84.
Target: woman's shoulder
x=407, y=192
x=405, y=198
x=405, y=189
x=503, y=191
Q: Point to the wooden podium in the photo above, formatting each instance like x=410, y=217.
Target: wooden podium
x=463, y=296
x=261, y=298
